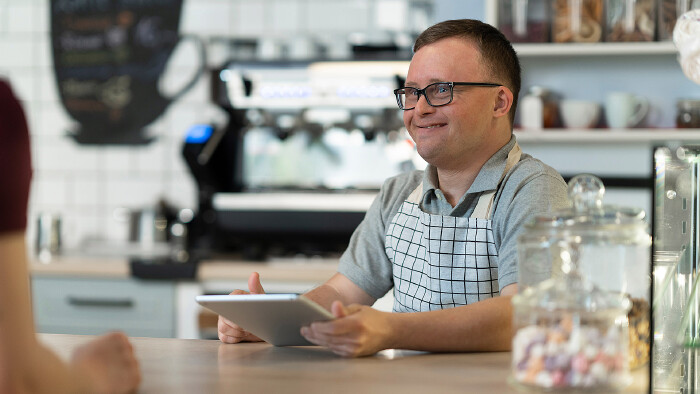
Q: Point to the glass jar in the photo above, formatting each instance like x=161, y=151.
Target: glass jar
x=688, y=114
x=612, y=246
x=577, y=20
x=669, y=11
x=524, y=20
x=569, y=334
x=630, y=20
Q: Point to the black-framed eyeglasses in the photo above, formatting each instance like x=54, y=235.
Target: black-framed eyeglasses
x=436, y=94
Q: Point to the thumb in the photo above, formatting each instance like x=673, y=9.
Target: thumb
x=338, y=310
x=254, y=284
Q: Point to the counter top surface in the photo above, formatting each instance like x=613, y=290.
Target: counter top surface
x=209, y=366
x=288, y=270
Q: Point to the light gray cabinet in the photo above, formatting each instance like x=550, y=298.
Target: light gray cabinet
x=95, y=306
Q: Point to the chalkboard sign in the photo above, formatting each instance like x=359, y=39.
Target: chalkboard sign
x=108, y=57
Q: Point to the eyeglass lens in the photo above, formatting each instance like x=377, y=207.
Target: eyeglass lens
x=436, y=94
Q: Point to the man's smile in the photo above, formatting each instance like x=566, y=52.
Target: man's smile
x=432, y=126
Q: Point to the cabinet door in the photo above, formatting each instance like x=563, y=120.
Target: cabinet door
x=96, y=306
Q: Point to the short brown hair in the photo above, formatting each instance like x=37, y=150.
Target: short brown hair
x=495, y=49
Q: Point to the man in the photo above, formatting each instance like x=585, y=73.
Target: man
x=445, y=238
x=105, y=365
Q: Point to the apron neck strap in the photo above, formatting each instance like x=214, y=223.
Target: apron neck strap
x=483, y=206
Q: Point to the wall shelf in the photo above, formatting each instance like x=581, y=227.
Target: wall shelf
x=597, y=49
x=649, y=136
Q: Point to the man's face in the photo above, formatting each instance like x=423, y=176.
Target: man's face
x=446, y=136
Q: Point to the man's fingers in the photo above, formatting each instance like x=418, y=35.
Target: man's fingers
x=254, y=284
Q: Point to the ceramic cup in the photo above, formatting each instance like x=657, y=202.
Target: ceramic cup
x=579, y=114
x=625, y=110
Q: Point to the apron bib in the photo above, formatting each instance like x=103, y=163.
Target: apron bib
x=440, y=261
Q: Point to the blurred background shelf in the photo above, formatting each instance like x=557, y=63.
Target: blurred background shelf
x=596, y=49
x=649, y=136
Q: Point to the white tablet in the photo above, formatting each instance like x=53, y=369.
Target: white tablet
x=275, y=318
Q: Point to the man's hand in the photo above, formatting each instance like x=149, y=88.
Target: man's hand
x=108, y=365
x=358, y=330
x=230, y=332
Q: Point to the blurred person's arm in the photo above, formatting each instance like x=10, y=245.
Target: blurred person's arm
x=104, y=365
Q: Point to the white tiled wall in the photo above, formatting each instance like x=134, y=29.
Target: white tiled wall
x=86, y=184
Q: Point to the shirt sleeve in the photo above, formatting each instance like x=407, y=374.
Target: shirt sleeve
x=528, y=192
x=15, y=162
x=365, y=262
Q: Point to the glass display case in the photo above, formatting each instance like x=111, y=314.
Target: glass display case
x=676, y=311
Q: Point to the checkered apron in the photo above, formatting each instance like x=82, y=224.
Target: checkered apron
x=443, y=261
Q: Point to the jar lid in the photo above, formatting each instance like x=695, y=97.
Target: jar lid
x=587, y=210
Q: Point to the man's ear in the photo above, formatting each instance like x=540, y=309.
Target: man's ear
x=502, y=102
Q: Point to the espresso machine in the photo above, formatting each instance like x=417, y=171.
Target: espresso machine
x=307, y=146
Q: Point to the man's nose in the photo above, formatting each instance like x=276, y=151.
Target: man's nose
x=422, y=105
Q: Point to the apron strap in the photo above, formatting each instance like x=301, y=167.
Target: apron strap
x=483, y=206
x=416, y=195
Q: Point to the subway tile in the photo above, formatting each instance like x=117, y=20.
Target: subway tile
x=87, y=190
x=17, y=51
x=21, y=18
x=134, y=191
x=118, y=159
x=250, y=19
x=114, y=230
x=337, y=15
x=80, y=225
x=182, y=192
x=42, y=22
x=48, y=90
x=286, y=16
x=51, y=190
x=23, y=85
x=3, y=18
x=43, y=51
x=206, y=18
x=52, y=120
x=151, y=158
x=390, y=15
x=57, y=154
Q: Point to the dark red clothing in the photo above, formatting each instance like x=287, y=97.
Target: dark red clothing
x=15, y=162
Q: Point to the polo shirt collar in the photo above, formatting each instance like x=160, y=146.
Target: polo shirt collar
x=487, y=179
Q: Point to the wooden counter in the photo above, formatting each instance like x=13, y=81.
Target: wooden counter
x=207, y=366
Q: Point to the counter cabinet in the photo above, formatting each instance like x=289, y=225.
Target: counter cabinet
x=93, y=296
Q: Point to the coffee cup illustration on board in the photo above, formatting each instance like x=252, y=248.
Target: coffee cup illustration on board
x=109, y=56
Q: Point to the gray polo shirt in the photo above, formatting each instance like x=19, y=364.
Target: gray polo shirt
x=529, y=188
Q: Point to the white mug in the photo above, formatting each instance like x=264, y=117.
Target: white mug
x=623, y=110
x=579, y=114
